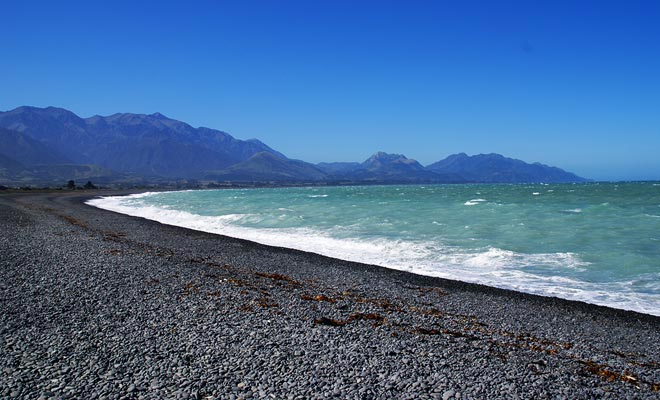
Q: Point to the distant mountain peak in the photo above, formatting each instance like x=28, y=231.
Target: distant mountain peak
x=135, y=118
x=158, y=115
x=56, y=109
x=51, y=111
x=23, y=109
x=496, y=168
x=381, y=157
x=56, y=112
x=384, y=155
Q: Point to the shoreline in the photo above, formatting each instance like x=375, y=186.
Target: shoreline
x=445, y=281
x=242, y=236
x=77, y=268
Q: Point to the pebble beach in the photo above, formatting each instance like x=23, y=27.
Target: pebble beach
x=95, y=304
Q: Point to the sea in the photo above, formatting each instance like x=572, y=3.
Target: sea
x=594, y=242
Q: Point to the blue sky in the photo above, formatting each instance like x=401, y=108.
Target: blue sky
x=574, y=84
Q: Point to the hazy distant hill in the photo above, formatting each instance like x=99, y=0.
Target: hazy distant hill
x=60, y=173
x=334, y=168
x=495, y=168
x=269, y=167
x=27, y=151
x=9, y=166
x=23, y=159
x=53, y=144
x=384, y=167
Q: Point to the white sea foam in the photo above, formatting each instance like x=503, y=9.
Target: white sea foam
x=574, y=210
x=490, y=266
x=317, y=195
x=474, y=202
x=536, y=194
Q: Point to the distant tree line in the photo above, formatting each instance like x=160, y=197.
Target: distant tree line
x=71, y=185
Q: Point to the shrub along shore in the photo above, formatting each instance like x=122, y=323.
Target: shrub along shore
x=96, y=304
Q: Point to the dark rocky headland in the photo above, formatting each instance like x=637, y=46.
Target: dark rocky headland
x=95, y=304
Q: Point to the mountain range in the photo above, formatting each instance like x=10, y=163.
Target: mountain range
x=48, y=145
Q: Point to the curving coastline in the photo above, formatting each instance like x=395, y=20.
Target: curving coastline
x=513, y=241
x=97, y=304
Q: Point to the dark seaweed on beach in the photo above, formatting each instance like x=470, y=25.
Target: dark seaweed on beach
x=426, y=331
x=319, y=297
x=329, y=322
x=607, y=374
x=366, y=316
x=278, y=277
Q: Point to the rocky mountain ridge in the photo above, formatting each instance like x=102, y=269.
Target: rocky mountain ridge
x=51, y=144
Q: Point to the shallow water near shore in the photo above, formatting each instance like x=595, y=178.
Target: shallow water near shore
x=598, y=242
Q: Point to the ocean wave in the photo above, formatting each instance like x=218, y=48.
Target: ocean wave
x=550, y=274
x=474, y=202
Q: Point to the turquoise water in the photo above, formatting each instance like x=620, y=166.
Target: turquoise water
x=598, y=243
